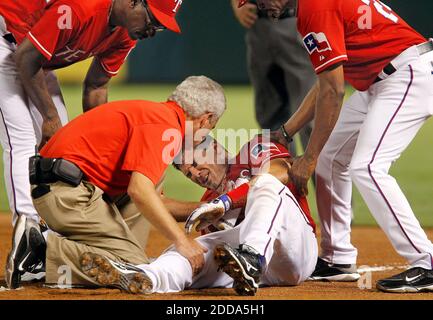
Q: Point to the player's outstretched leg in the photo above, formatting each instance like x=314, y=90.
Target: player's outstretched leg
x=413, y=280
x=27, y=253
x=243, y=264
x=109, y=273
x=326, y=271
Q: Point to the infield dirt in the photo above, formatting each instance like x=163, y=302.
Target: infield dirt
x=375, y=252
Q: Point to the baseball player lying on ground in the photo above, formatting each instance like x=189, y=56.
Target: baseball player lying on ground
x=268, y=237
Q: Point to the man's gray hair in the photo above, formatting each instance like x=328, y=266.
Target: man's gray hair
x=198, y=95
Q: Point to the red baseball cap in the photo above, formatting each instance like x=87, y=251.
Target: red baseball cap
x=165, y=11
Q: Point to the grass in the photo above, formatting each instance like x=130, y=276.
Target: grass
x=413, y=170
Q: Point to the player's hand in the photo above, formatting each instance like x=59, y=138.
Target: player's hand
x=49, y=128
x=193, y=251
x=208, y=213
x=246, y=15
x=301, y=171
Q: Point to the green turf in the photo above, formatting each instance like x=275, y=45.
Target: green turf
x=413, y=170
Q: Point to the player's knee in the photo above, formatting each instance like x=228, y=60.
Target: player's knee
x=364, y=170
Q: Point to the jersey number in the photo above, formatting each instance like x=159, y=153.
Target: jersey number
x=383, y=9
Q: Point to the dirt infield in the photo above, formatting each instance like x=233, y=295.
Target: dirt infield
x=375, y=254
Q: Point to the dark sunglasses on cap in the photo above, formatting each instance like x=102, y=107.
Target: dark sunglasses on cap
x=157, y=26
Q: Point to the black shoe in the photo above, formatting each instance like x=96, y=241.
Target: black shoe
x=326, y=271
x=27, y=253
x=109, y=273
x=244, y=265
x=413, y=280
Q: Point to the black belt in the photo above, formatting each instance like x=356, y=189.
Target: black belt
x=423, y=48
x=9, y=37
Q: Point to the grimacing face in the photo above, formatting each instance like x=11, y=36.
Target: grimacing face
x=209, y=167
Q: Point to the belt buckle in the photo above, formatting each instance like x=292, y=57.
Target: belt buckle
x=425, y=47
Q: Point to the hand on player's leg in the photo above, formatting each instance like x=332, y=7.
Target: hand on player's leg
x=194, y=252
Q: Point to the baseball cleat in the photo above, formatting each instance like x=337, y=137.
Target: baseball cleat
x=35, y=276
x=244, y=265
x=410, y=281
x=28, y=251
x=109, y=273
x=326, y=271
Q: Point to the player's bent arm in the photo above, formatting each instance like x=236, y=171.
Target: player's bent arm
x=330, y=95
x=304, y=114
x=29, y=63
x=180, y=210
x=95, y=86
x=142, y=192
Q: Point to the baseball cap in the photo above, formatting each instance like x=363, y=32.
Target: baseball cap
x=165, y=11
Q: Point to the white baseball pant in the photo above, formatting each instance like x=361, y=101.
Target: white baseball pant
x=20, y=128
x=274, y=225
x=373, y=129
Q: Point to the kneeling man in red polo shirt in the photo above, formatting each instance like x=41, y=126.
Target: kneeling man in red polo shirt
x=120, y=147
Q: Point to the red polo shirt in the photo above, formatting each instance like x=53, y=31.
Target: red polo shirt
x=108, y=143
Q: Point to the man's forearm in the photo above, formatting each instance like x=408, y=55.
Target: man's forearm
x=95, y=86
x=304, y=114
x=180, y=210
x=327, y=110
x=149, y=203
x=154, y=210
x=33, y=80
x=93, y=97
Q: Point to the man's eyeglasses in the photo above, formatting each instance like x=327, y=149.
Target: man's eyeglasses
x=157, y=26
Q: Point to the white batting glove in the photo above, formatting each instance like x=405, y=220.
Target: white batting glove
x=208, y=213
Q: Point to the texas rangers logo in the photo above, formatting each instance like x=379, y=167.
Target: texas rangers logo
x=316, y=41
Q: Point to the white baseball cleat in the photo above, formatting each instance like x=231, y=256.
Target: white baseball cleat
x=28, y=252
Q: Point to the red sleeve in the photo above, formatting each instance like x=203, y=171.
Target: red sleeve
x=323, y=36
x=209, y=195
x=260, y=151
x=239, y=196
x=113, y=59
x=147, y=153
x=57, y=26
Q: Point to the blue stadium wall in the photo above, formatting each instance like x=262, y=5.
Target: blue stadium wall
x=212, y=43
